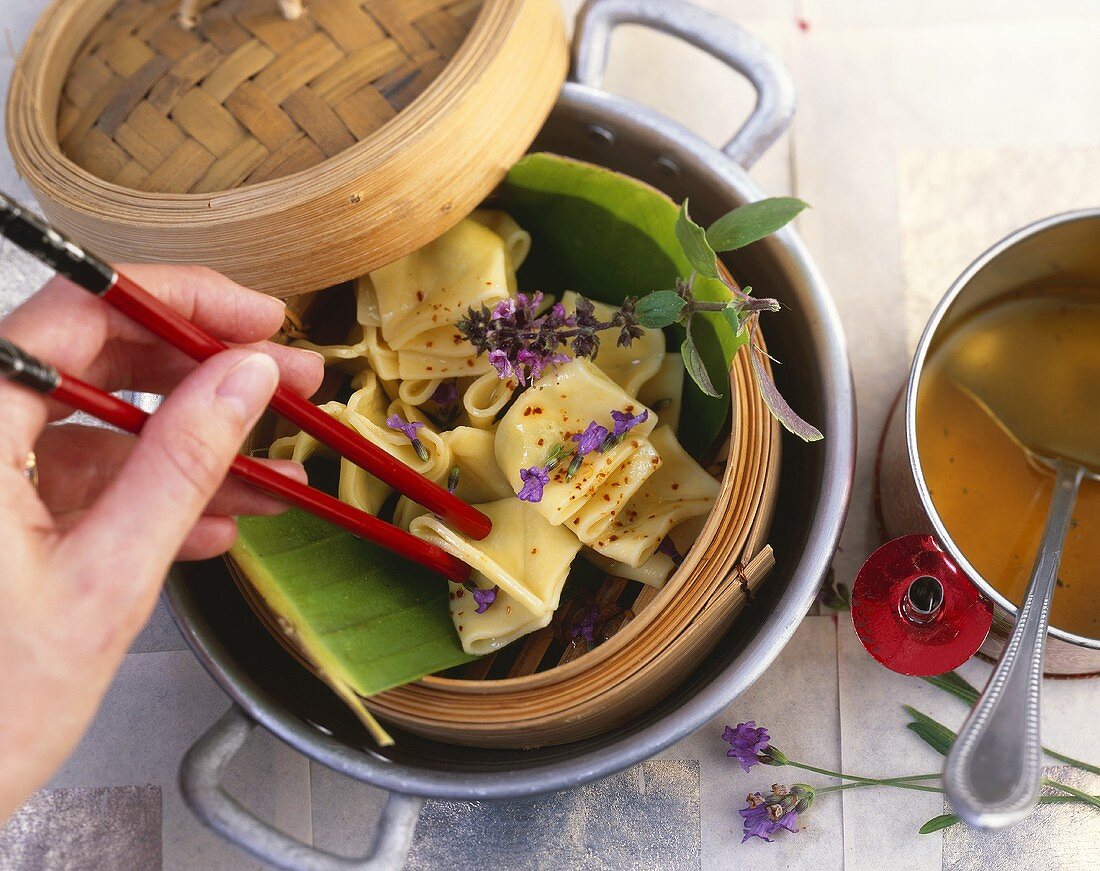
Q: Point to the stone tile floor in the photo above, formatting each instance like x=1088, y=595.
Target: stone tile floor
x=926, y=131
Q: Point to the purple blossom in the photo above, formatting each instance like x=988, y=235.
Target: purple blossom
x=591, y=439
x=499, y=360
x=504, y=309
x=484, y=598
x=585, y=620
x=446, y=393
x=395, y=421
x=624, y=422
x=534, y=479
x=529, y=304
x=584, y=625
x=668, y=548
x=747, y=743
x=523, y=344
x=766, y=816
x=560, y=317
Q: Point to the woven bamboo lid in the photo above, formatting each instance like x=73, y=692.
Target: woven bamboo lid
x=290, y=154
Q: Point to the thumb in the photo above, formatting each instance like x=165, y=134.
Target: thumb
x=183, y=453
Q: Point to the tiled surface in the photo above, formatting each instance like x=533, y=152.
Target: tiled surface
x=119, y=825
x=926, y=130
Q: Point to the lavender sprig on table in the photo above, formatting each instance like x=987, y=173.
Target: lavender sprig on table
x=765, y=815
x=522, y=343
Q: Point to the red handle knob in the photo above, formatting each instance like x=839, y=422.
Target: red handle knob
x=915, y=611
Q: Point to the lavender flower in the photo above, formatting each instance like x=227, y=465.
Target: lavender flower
x=554, y=456
x=534, y=479
x=484, y=598
x=452, y=479
x=584, y=625
x=395, y=421
x=592, y=439
x=668, y=548
x=585, y=620
x=445, y=394
x=625, y=421
x=766, y=816
x=747, y=743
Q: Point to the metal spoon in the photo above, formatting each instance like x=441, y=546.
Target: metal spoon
x=993, y=771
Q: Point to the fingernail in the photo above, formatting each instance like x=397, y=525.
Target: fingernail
x=317, y=354
x=248, y=385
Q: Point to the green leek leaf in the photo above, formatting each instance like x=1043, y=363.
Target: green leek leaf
x=365, y=617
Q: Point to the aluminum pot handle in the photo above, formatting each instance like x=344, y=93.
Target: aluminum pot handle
x=200, y=783
x=722, y=39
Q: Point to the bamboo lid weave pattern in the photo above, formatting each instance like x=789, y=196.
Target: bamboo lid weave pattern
x=289, y=154
x=246, y=96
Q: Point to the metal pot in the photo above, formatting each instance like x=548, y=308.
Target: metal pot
x=268, y=688
x=1062, y=245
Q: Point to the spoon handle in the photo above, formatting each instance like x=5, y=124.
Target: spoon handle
x=992, y=773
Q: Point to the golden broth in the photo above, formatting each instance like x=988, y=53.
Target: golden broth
x=1034, y=357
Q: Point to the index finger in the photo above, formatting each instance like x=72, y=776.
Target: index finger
x=68, y=327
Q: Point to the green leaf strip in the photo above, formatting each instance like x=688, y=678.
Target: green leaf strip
x=943, y=821
x=933, y=733
x=955, y=684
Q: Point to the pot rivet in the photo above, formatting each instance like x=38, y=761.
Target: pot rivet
x=668, y=166
x=601, y=134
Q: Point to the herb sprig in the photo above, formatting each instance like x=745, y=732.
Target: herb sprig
x=522, y=343
x=764, y=815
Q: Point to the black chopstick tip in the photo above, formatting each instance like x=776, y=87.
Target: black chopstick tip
x=65, y=257
x=17, y=365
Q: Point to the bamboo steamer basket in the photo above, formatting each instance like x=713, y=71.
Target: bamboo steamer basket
x=295, y=155
x=290, y=155
x=541, y=690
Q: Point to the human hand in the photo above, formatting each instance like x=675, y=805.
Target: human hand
x=86, y=553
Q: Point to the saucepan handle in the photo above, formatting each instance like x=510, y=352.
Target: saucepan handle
x=722, y=39
x=200, y=782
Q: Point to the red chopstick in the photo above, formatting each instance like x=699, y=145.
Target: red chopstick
x=29, y=232
x=31, y=372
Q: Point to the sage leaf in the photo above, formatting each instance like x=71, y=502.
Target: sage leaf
x=693, y=363
x=693, y=239
x=778, y=406
x=943, y=821
x=659, y=309
x=752, y=221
